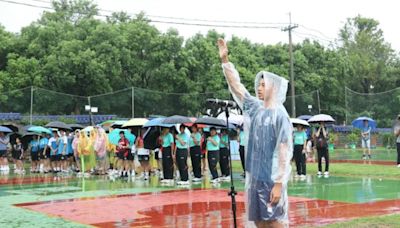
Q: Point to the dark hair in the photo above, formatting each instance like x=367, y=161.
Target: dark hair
x=122, y=132
x=213, y=128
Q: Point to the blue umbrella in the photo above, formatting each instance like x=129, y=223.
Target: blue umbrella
x=39, y=129
x=157, y=122
x=304, y=117
x=5, y=129
x=359, y=122
x=114, y=137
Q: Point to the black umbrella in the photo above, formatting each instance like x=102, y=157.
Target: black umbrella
x=211, y=121
x=27, y=138
x=14, y=135
x=58, y=125
x=151, y=137
x=177, y=120
x=75, y=126
x=14, y=127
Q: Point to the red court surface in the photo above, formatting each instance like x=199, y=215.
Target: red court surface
x=196, y=208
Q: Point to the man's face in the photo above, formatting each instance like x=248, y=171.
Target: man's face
x=365, y=123
x=264, y=90
x=261, y=89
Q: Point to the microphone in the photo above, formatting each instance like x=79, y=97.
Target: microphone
x=222, y=103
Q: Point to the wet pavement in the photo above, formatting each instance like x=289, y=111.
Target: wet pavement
x=67, y=201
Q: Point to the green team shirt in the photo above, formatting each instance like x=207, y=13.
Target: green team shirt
x=197, y=136
x=299, y=137
x=211, y=146
x=185, y=138
x=168, y=139
x=224, y=139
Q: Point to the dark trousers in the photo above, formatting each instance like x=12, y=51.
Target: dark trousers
x=300, y=159
x=398, y=153
x=323, y=152
x=241, y=152
x=181, y=159
x=195, y=156
x=213, y=159
x=167, y=163
x=224, y=161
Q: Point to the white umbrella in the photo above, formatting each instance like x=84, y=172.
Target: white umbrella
x=321, y=118
x=299, y=122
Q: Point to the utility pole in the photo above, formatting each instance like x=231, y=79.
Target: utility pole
x=289, y=29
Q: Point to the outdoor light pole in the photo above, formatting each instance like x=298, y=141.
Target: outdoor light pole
x=91, y=110
x=310, y=108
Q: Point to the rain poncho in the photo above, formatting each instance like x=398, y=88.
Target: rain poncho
x=269, y=146
x=75, y=144
x=101, y=143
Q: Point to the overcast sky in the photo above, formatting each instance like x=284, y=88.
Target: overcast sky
x=321, y=19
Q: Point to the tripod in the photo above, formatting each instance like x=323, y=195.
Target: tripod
x=232, y=193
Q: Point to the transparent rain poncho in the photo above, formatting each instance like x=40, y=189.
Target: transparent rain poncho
x=269, y=148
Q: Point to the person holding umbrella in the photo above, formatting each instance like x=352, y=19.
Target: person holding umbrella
x=213, y=142
x=143, y=155
x=167, y=156
x=366, y=139
x=18, y=154
x=195, y=152
x=122, y=153
x=299, y=153
x=224, y=156
x=4, y=141
x=62, y=150
x=53, y=151
x=34, y=149
x=181, y=152
x=42, y=151
x=322, y=148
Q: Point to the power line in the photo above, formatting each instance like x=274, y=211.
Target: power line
x=317, y=31
x=190, y=19
x=315, y=36
x=26, y=4
x=160, y=21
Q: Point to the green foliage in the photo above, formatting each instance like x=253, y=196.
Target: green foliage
x=353, y=138
x=388, y=140
x=333, y=137
x=70, y=51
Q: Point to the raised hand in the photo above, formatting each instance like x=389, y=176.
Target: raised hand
x=223, y=50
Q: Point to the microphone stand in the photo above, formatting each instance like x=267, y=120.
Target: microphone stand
x=232, y=193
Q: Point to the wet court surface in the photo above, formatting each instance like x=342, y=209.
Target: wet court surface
x=38, y=200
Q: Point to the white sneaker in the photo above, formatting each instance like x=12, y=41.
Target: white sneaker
x=319, y=173
x=165, y=181
x=226, y=178
x=215, y=181
x=398, y=166
x=197, y=179
x=326, y=174
x=183, y=183
x=302, y=177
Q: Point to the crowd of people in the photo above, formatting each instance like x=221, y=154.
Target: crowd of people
x=178, y=153
x=91, y=152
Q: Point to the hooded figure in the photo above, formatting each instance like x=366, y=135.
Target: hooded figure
x=269, y=148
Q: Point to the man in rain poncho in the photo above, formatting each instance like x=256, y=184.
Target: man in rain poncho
x=269, y=147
